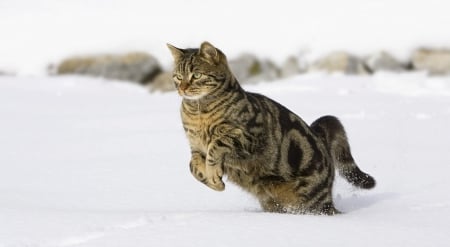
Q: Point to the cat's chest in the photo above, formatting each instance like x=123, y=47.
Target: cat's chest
x=198, y=129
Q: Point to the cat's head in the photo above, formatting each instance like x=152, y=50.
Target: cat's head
x=199, y=72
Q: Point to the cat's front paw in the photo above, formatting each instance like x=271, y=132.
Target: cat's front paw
x=214, y=175
x=215, y=183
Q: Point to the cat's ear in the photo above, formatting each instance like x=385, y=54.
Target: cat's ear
x=177, y=53
x=209, y=52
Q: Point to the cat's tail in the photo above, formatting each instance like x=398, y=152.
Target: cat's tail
x=332, y=133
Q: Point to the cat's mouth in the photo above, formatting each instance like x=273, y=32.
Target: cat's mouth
x=191, y=96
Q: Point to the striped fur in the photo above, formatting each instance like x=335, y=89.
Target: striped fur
x=256, y=142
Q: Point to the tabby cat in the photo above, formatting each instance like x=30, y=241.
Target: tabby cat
x=259, y=144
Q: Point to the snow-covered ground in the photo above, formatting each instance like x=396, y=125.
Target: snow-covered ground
x=90, y=162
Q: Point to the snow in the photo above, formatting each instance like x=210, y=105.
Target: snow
x=92, y=162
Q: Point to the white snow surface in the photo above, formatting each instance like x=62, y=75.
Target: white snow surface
x=91, y=162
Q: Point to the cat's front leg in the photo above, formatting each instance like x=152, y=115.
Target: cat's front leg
x=210, y=177
x=197, y=166
x=214, y=166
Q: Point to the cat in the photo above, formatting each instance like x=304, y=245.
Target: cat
x=256, y=142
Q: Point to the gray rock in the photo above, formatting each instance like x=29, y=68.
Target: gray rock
x=162, y=83
x=383, y=61
x=137, y=67
x=6, y=72
x=290, y=67
x=340, y=62
x=269, y=72
x=244, y=67
x=247, y=68
x=435, y=61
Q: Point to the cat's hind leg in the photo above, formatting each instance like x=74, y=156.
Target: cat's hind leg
x=295, y=198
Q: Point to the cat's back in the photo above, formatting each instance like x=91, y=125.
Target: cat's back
x=280, y=116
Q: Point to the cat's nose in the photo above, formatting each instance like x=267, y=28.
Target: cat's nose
x=183, y=86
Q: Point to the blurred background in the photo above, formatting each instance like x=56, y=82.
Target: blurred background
x=37, y=36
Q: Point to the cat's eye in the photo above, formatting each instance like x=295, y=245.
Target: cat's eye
x=197, y=75
x=178, y=76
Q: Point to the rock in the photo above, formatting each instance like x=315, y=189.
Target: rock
x=137, y=67
x=6, y=72
x=162, y=83
x=269, y=72
x=247, y=68
x=435, y=61
x=290, y=67
x=340, y=62
x=383, y=61
x=244, y=67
